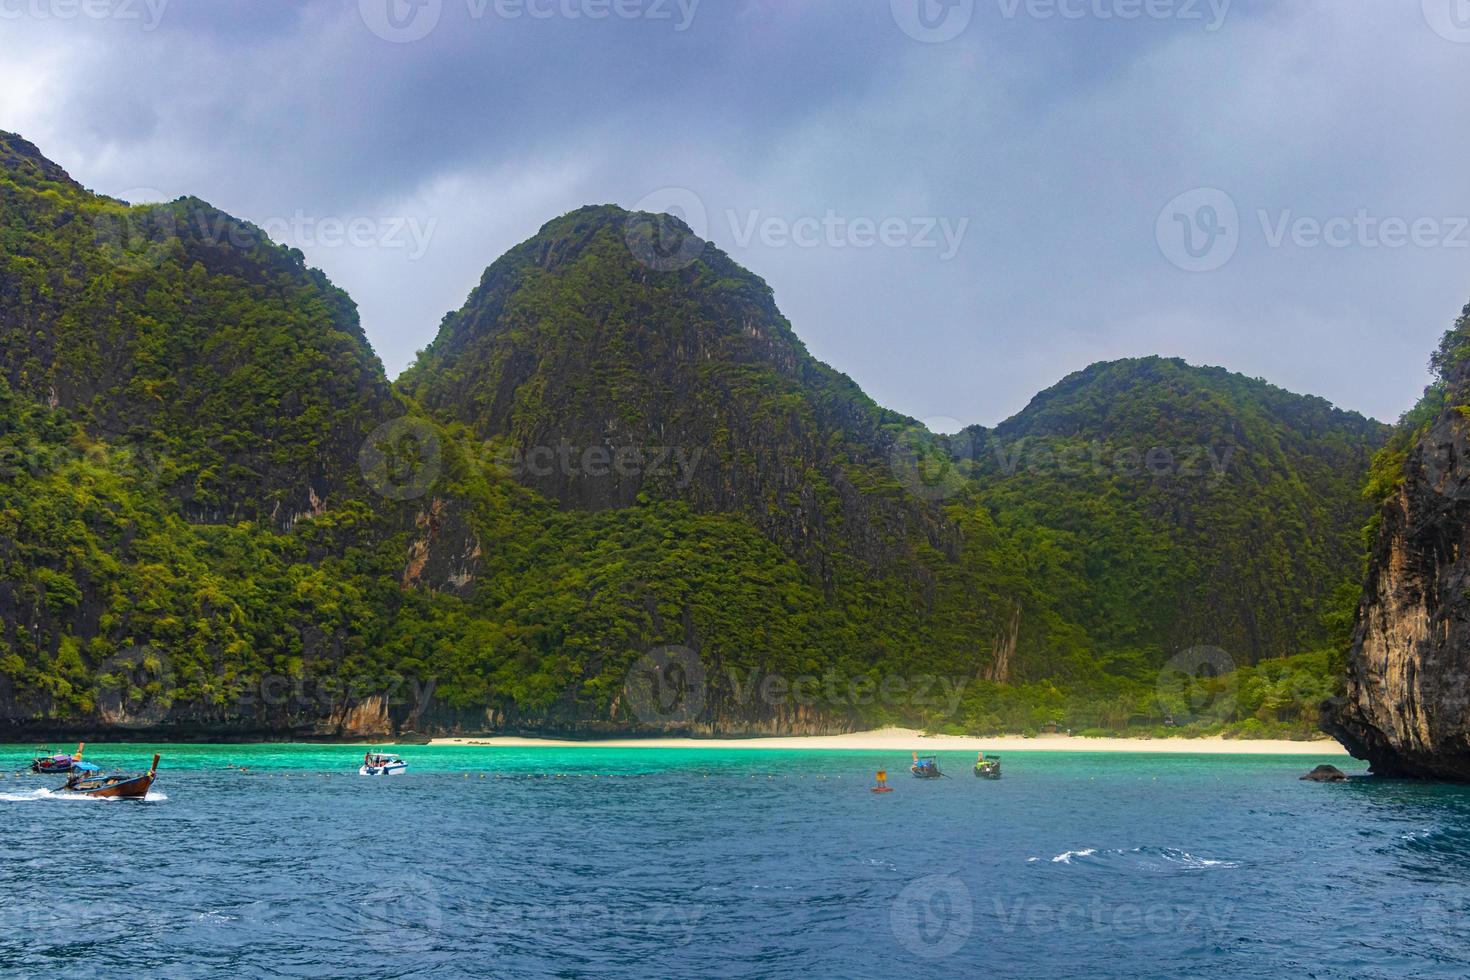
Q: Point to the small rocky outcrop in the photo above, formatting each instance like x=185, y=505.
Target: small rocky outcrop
x=1325, y=774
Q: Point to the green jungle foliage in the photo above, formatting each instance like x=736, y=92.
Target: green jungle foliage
x=190, y=537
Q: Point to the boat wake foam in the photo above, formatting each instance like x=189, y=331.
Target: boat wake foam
x=42, y=795
x=1154, y=859
x=1067, y=856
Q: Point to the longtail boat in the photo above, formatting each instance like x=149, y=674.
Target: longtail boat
x=112, y=787
x=59, y=762
x=926, y=767
x=988, y=768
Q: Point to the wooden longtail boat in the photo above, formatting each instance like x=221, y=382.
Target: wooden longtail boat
x=113, y=787
x=57, y=763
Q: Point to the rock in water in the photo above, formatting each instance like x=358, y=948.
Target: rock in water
x=1407, y=706
x=1325, y=774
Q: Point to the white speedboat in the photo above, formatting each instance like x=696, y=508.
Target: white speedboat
x=376, y=764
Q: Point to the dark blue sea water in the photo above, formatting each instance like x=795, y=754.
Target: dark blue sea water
x=653, y=863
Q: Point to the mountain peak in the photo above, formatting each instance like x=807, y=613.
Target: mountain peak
x=21, y=158
x=1108, y=394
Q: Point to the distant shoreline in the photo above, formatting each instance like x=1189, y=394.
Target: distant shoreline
x=880, y=740
x=905, y=740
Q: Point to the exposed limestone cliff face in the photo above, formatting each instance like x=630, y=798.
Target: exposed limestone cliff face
x=367, y=719
x=445, y=551
x=1407, y=707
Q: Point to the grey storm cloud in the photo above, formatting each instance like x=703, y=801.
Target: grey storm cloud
x=957, y=202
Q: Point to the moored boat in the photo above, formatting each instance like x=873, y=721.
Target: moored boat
x=84, y=783
x=59, y=762
x=378, y=764
x=926, y=767
x=988, y=768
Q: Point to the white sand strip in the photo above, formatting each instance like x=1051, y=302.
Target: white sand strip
x=908, y=740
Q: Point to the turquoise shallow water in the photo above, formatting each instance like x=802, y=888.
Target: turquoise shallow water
x=650, y=863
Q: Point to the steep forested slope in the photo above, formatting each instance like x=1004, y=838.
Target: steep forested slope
x=179, y=329
x=217, y=517
x=1184, y=506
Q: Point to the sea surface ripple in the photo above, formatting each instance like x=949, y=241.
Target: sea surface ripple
x=596, y=862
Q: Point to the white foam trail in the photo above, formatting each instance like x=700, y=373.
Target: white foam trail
x=37, y=795
x=21, y=797
x=1066, y=858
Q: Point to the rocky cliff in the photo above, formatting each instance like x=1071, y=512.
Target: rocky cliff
x=1407, y=706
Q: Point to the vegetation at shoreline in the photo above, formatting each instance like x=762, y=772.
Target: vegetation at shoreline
x=1273, y=699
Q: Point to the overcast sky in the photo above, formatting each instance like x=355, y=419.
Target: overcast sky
x=957, y=202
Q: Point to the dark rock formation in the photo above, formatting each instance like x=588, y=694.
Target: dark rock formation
x=1406, y=710
x=1325, y=774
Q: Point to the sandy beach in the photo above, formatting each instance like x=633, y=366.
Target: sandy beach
x=907, y=740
